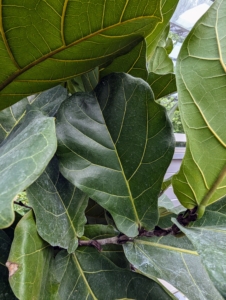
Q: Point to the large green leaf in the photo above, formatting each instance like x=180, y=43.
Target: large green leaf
x=107, y=148
x=59, y=208
x=174, y=260
x=208, y=236
x=162, y=85
x=30, y=262
x=201, y=85
x=23, y=157
x=96, y=276
x=133, y=63
x=46, y=42
x=153, y=39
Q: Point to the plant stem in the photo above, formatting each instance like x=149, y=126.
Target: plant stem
x=205, y=200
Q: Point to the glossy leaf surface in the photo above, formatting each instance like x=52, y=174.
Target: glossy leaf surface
x=174, y=260
x=201, y=89
x=107, y=148
x=59, y=208
x=29, y=263
x=208, y=235
x=62, y=39
x=96, y=276
x=23, y=157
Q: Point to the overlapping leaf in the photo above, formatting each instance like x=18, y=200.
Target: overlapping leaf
x=29, y=263
x=59, y=208
x=10, y=117
x=152, y=40
x=174, y=260
x=107, y=148
x=48, y=102
x=162, y=85
x=160, y=62
x=133, y=63
x=23, y=157
x=35, y=274
x=96, y=276
x=48, y=42
x=208, y=235
x=201, y=82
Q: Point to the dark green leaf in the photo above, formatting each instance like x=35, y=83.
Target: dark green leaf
x=162, y=85
x=23, y=157
x=174, y=260
x=114, y=157
x=133, y=63
x=29, y=264
x=95, y=213
x=47, y=42
x=59, y=208
x=201, y=89
x=95, y=276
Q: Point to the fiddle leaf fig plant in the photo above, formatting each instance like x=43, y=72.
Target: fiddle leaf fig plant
x=82, y=135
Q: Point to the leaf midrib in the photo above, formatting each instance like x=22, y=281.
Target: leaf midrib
x=83, y=277
x=56, y=51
